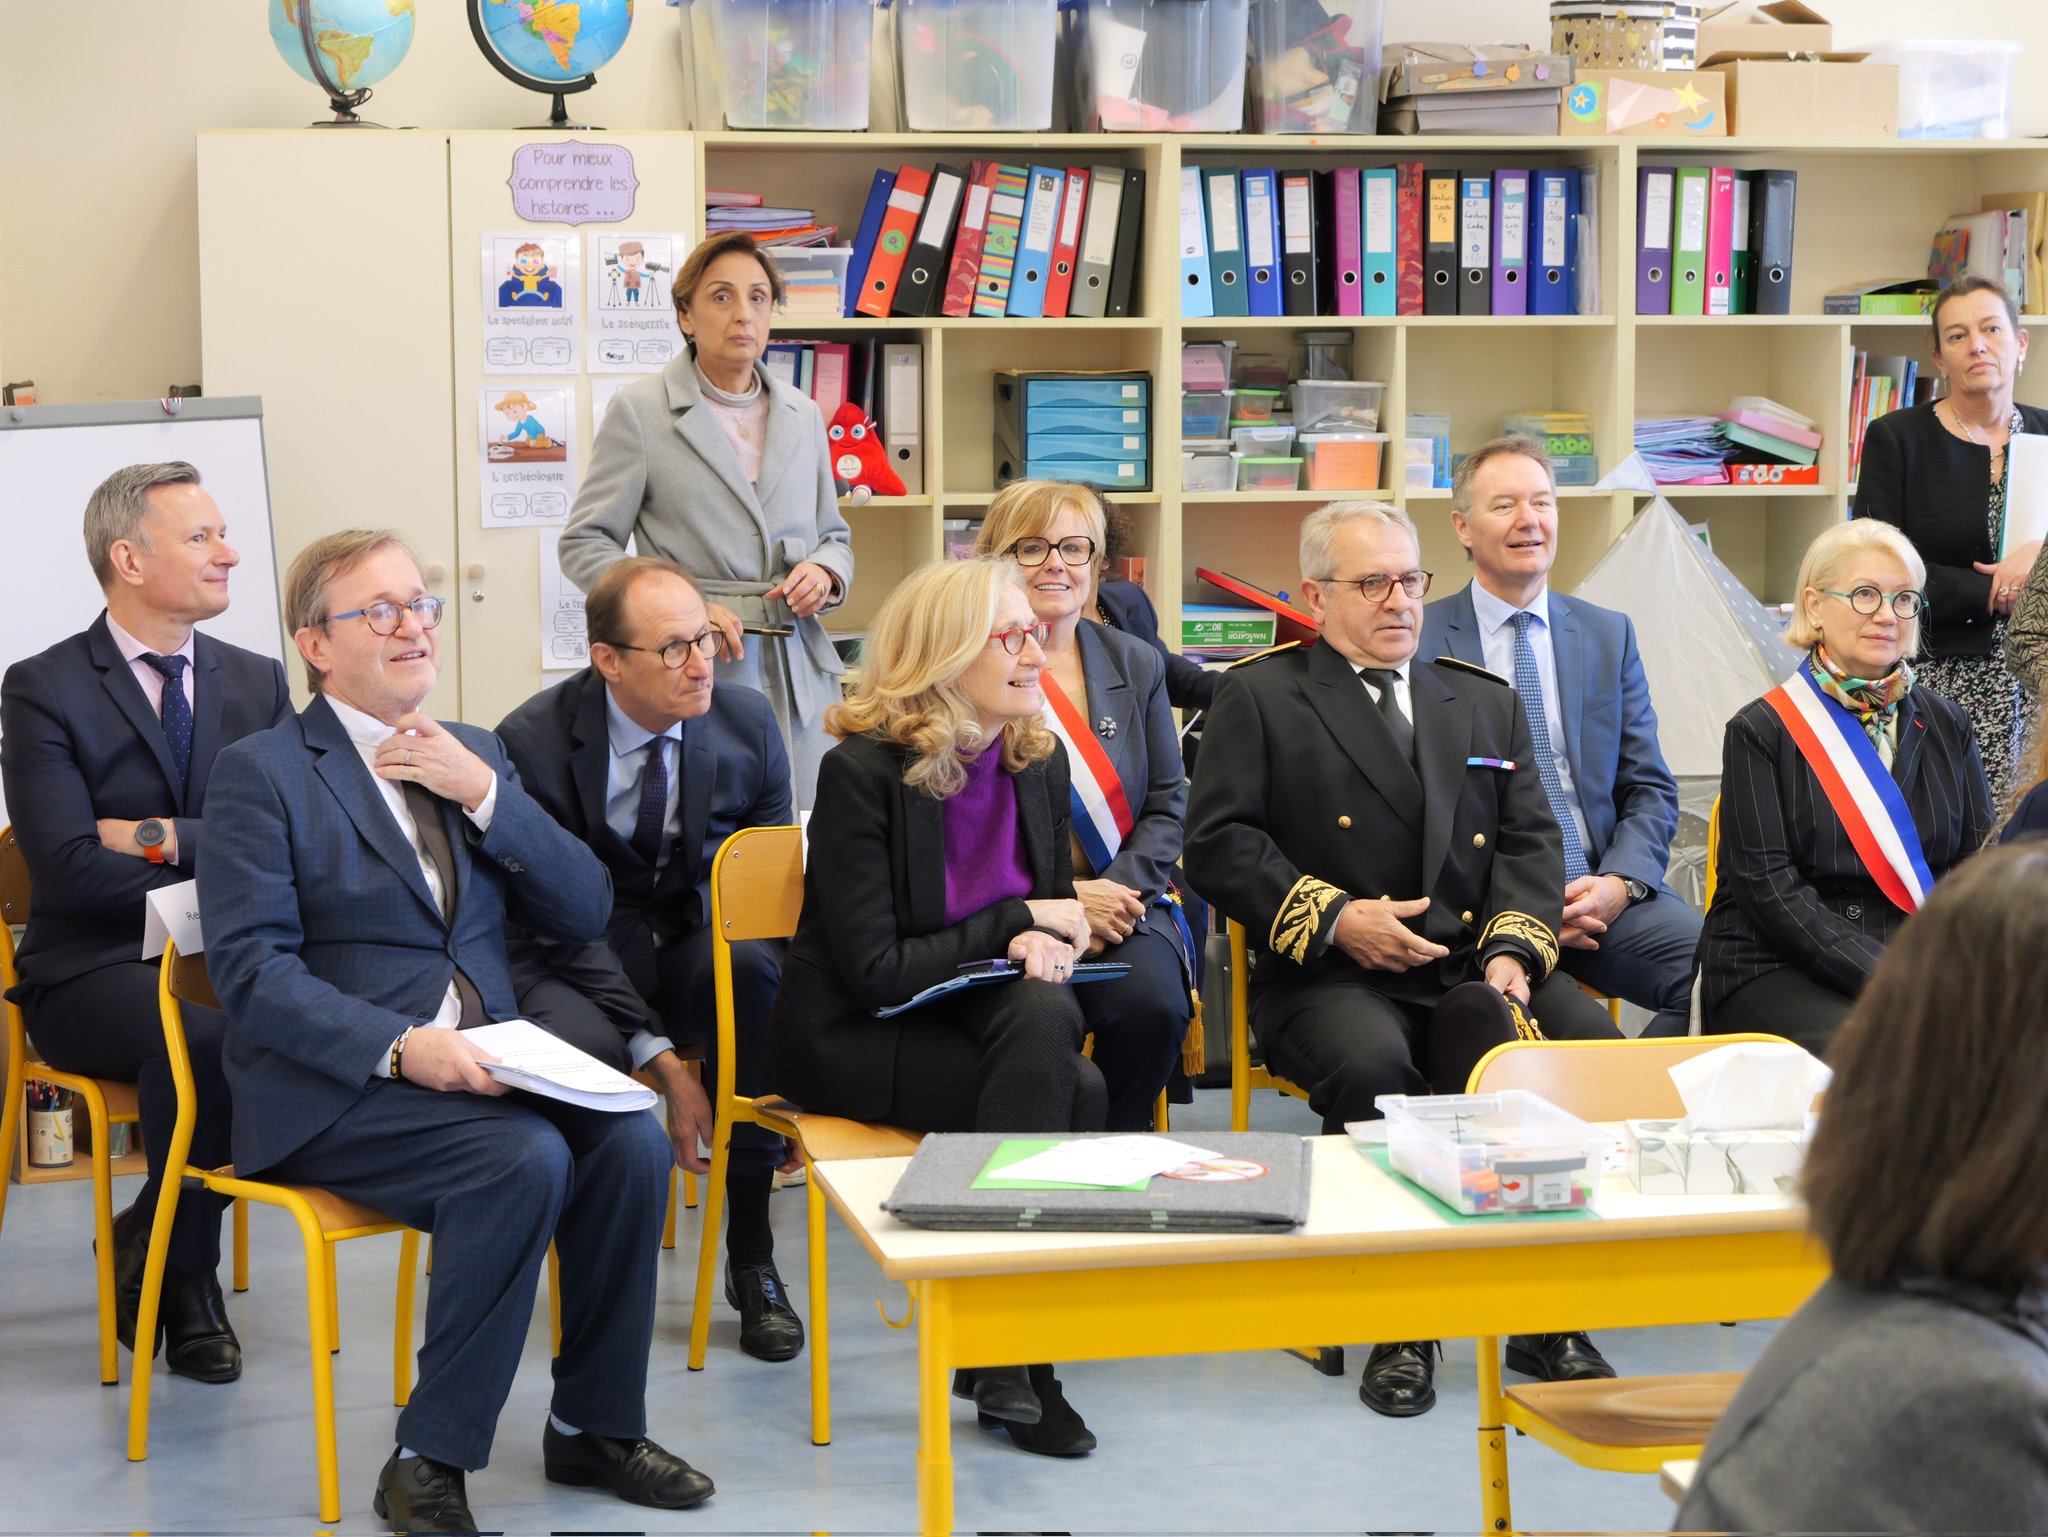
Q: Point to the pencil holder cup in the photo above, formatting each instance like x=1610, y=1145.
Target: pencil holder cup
x=49, y=1138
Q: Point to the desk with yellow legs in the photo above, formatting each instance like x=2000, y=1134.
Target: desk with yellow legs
x=1375, y=1261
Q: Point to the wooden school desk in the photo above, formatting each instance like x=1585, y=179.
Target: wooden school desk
x=1375, y=1261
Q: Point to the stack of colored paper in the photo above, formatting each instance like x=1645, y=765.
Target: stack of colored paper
x=812, y=293
x=1683, y=450
x=1761, y=428
x=768, y=226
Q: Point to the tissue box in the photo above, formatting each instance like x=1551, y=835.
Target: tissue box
x=1665, y=1159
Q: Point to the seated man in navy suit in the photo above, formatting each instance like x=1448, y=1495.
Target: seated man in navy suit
x=643, y=760
x=364, y=863
x=107, y=743
x=1581, y=679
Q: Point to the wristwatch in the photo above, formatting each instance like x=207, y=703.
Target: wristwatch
x=1637, y=891
x=150, y=836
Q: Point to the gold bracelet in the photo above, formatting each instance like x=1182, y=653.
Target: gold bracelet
x=398, y=1051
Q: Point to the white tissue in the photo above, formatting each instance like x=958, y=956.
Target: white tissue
x=1753, y=1086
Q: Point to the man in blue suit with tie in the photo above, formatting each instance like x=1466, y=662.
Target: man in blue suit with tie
x=1580, y=677
x=642, y=758
x=107, y=743
x=364, y=863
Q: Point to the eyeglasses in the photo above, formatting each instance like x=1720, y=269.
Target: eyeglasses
x=676, y=654
x=1077, y=551
x=384, y=618
x=1012, y=636
x=1866, y=599
x=1378, y=587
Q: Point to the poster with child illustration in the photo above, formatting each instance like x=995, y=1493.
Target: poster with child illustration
x=528, y=470
x=531, y=295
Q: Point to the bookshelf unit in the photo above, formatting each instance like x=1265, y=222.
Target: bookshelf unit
x=1867, y=209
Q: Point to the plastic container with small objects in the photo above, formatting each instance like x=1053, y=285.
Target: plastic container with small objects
x=970, y=65
x=1204, y=413
x=1315, y=65
x=1268, y=472
x=1161, y=66
x=1255, y=405
x=1952, y=89
x=1207, y=464
x=1267, y=438
x=1337, y=405
x=789, y=63
x=1510, y=1153
x=1343, y=461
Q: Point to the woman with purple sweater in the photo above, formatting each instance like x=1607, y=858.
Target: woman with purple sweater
x=940, y=838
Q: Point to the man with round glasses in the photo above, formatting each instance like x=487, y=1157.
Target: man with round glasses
x=653, y=767
x=1378, y=827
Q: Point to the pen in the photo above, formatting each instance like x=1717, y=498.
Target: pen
x=766, y=629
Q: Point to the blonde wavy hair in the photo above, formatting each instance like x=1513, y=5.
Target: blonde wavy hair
x=907, y=689
x=1025, y=509
x=1826, y=566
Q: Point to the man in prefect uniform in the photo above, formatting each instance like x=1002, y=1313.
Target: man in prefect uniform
x=1379, y=829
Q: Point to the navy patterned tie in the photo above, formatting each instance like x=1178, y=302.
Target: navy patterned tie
x=176, y=712
x=1529, y=684
x=652, y=818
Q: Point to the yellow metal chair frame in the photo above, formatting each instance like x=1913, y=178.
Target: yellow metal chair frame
x=108, y=1103
x=1589, y=1422
x=757, y=889
x=323, y=1219
x=1244, y=1076
x=1713, y=853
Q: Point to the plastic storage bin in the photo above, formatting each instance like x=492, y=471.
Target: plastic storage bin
x=1315, y=65
x=1203, y=413
x=815, y=280
x=1261, y=371
x=1255, y=405
x=1342, y=461
x=1151, y=66
x=1208, y=466
x=1326, y=355
x=1262, y=437
x=1951, y=89
x=1337, y=405
x=1509, y=1153
x=969, y=65
x=1268, y=472
x=789, y=63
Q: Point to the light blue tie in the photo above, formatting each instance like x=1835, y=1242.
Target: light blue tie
x=1529, y=684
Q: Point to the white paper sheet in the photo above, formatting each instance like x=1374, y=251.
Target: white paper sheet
x=2026, y=489
x=527, y=454
x=1109, y=1161
x=531, y=1059
x=531, y=293
x=632, y=326
x=171, y=915
x=564, y=641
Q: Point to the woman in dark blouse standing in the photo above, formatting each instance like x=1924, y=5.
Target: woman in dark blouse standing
x=1938, y=472
x=939, y=838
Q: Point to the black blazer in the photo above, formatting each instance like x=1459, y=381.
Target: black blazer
x=2029, y=818
x=1936, y=487
x=78, y=741
x=873, y=931
x=1125, y=605
x=734, y=773
x=1790, y=889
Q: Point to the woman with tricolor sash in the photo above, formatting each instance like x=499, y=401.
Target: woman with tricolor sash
x=1846, y=793
x=1105, y=699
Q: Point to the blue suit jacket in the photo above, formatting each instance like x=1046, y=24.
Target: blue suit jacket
x=78, y=741
x=322, y=939
x=1610, y=728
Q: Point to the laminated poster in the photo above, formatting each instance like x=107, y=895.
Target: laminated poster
x=632, y=324
x=563, y=642
x=528, y=474
x=531, y=294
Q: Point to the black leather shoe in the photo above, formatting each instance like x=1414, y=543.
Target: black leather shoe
x=638, y=1470
x=1400, y=1379
x=1059, y=1431
x=1000, y=1393
x=1556, y=1357
x=418, y=1495
x=195, y=1324
x=769, y=1327
x=131, y=1258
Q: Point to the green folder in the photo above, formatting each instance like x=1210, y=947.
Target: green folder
x=1016, y=1149
x=1763, y=442
x=1689, y=240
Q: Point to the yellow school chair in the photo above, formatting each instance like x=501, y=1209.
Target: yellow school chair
x=1713, y=854
x=757, y=888
x=1617, y=1424
x=324, y=1220
x=1244, y=1076
x=108, y=1102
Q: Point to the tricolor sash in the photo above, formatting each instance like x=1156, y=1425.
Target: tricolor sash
x=1865, y=796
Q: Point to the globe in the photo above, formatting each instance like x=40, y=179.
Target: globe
x=557, y=41
x=359, y=41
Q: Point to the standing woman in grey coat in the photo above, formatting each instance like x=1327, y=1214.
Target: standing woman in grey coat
x=724, y=470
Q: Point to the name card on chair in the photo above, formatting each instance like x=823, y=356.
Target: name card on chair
x=172, y=917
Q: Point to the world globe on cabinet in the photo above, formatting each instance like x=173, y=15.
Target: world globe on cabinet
x=359, y=41
x=557, y=41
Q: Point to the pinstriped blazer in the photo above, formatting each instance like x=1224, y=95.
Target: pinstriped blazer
x=1790, y=888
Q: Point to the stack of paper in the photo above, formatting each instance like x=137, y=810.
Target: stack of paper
x=531, y=1059
x=1683, y=450
x=768, y=226
x=1756, y=424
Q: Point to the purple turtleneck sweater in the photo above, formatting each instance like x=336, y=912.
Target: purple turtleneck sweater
x=985, y=856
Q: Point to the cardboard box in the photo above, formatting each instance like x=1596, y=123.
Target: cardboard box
x=1645, y=103
x=1664, y=1159
x=1785, y=27
x=1810, y=98
x=1209, y=624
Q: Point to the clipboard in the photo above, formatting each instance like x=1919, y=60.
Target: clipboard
x=988, y=973
x=2026, y=491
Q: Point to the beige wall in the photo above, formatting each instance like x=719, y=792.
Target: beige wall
x=100, y=99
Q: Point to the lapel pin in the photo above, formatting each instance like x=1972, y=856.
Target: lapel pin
x=1106, y=726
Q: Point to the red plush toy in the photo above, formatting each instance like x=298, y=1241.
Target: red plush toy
x=859, y=462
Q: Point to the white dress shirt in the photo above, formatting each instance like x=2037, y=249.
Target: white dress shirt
x=1403, y=698
x=368, y=733
x=132, y=652
x=625, y=762
x=1497, y=636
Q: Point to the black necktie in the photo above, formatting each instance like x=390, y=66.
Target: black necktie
x=425, y=807
x=651, y=820
x=176, y=713
x=1398, y=725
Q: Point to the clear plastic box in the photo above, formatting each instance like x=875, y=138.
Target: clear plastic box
x=1262, y=437
x=1952, y=89
x=808, y=274
x=1268, y=472
x=1509, y=1153
x=1326, y=355
x=1337, y=405
x=1208, y=465
x=1204, y=413
x=1153, y=66
x=1261, y=371
x=970, y=65
x=1255, y=405
x=1315, y=65
x=1343, y=461
x=789, y=63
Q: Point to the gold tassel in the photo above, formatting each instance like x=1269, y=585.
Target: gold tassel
x=1194, y=1050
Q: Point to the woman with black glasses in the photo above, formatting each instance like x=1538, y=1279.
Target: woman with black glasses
x=1846, y=793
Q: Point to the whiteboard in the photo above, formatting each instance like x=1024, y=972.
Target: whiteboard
x=51, y=458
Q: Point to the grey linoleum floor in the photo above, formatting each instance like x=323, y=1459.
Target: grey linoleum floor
x=1238, y=1443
